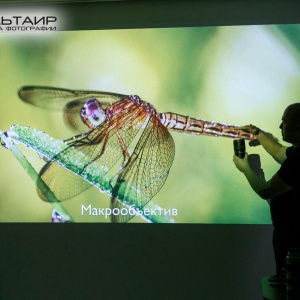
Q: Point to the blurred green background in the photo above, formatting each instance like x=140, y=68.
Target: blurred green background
x=235, y=75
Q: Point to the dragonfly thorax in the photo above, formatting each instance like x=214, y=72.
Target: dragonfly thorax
x=92, y=113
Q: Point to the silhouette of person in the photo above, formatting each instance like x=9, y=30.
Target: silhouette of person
x=284, y=187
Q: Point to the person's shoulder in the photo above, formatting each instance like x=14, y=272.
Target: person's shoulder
x=293, y=152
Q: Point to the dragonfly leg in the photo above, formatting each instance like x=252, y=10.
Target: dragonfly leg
x=70, y=142
x=123, y=147
x=126, y=159
x=83, y=140
x=78, y=136
x=98, y=155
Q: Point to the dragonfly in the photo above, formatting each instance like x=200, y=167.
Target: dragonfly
x=126, y=135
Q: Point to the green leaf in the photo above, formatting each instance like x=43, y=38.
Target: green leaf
x=73, y=160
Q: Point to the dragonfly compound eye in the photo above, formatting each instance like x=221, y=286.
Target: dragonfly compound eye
x=92, y=113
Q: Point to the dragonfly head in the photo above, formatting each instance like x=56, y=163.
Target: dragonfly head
x=92, y=113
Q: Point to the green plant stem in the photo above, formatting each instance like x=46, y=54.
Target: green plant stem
x=37, y=179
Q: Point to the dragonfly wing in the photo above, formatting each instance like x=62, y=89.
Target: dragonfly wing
x=56, y=98
x=63, y=183
x=69, y=101
x=146, y=171
x=105, y=145
x=140, y=175
x=72, y=117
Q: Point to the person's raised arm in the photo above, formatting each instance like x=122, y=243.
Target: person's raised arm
x=275, y=149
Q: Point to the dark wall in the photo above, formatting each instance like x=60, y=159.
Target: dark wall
x=168, y=13
x=134, y=261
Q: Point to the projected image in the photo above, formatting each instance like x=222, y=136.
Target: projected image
x=148, y=117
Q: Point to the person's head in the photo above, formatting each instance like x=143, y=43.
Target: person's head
x=290, y=125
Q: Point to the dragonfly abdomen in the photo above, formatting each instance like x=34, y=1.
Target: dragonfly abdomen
x=185, y=124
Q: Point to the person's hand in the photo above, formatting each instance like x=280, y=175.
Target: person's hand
x=242, y=164
x=250, y=129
